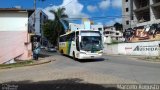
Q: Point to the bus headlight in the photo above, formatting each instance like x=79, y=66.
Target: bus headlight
x=100, y=52
x=82, y=52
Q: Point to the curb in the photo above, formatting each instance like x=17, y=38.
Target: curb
x=137, y=58
x=48, y=61
x=33, y=64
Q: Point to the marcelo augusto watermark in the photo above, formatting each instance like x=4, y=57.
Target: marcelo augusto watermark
x=54, y=87
x=138, y=86
x=9, y=87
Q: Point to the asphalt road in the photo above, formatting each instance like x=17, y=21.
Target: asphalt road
x=109, y=70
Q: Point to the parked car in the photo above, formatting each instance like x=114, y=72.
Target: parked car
x=42, y=47
x=51, y=49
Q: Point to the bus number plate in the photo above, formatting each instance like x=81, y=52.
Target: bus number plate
x=92, y=56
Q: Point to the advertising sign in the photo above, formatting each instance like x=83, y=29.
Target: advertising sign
x=147, y=33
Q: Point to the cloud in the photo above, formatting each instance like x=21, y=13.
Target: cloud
x=112, y=22
x=99, y=23
x=91, y=8
x=73, y=9
x=104, y=4
x=117, y=3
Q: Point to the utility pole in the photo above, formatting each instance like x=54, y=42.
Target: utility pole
x=34, y=14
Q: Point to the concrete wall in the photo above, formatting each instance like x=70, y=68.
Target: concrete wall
x=13, y=21
x=14, y=36
x=139, y=48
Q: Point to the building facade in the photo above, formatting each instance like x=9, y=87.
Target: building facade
x=140, y=13
x=36, y=21
x=112, y=35
x=15, y=40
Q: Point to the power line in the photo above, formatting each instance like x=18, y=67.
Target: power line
x=68, y=3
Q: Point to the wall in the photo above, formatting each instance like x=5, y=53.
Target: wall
x=111, y=49
x=139, y=48
x=13, y=36
x=13, y=21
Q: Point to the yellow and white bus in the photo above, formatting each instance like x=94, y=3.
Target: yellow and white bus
x=81, y=44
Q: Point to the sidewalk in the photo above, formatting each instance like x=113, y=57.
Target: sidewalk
x=155, y=59
x=42, y=60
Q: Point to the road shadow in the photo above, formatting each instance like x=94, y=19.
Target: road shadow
x=43, y=55
x=85, y=60
x=90, y=60
x=63, y=84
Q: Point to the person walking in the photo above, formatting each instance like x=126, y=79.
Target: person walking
x=36, y=51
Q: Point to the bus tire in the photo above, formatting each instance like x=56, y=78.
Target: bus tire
x=61, y=52
x=74, y=56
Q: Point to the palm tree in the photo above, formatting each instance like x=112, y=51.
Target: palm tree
x=59, y=22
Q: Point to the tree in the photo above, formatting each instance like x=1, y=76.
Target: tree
x=54, y=28
x=60, y=17
x=118, y=26
x=49, y=32
x=59, y=22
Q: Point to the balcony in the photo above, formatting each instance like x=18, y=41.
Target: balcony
x=141, y=3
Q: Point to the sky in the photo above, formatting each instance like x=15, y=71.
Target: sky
x=105, y=12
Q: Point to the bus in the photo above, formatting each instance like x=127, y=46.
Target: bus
x=81, y=44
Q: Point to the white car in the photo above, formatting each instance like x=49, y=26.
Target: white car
x=51, y=49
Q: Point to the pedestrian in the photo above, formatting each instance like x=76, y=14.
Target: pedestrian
x=36, y=51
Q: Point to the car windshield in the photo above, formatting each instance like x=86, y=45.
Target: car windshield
x=91, y=43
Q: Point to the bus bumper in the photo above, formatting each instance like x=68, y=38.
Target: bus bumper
x=89, y=56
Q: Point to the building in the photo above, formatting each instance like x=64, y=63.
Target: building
x=36, y=21
x=140, y=13
x=15, y=40
x=87, y=25
x=112, y=35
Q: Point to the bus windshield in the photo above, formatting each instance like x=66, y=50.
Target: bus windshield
x=91, y=41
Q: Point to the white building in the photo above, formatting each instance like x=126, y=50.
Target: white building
x=36, y=21
x=112, y=35
x=87, y=25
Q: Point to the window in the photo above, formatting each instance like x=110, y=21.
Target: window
x=100, y=29
x=77, y=41
x=127, y=22
x=72, y=36
x=63, y=39
x=107, y=32
x=127, y=9
x=117, y=33
x=132, y=18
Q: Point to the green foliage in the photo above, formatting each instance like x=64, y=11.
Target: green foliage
x=54, y=28
x=49, y=32
x=60, y=16
x=118, y=26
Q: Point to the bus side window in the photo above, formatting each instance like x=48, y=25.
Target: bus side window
x=73, y=37
x=62, y=39
x=77, y=41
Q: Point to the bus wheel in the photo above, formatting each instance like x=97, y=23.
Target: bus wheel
x=61, y=52
x=74, y=56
